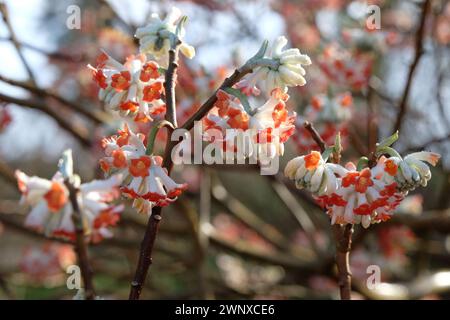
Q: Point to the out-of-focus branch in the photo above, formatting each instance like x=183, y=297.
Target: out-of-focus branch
x=420, y=35
x=426, y=145
x=51, y=55
x=96, y=116
x=298, y=212
x=248, y=217
x=81, y=135
x=15, y=41
x=7, y=173
x=422, y=286
x=80, y=242
x=247, y=251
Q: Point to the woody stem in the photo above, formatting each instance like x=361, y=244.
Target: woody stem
x=145, y=256
x=80, y=242
x=342, y=234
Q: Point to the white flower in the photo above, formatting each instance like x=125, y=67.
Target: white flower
x=134, y=88
x=52, y=211
x=261, y=133
x=313, y=173
x=143, y=176
x=155, y=38
x=285, y=70
x=412, y=171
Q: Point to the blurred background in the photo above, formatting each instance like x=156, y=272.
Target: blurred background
x=235, y=233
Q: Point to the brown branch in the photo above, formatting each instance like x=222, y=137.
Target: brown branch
x=51, y=55
x=342, y=234
x=80, y=135
x=315, y=135
x=250, y=219
x=15, y=41
x=145, y=256
x=427, y=144
x=205, y=107
x=264, y=256
x=420, y=34
x=169, y=86
x=97, y=117
x=7, y=173
x=80, y=242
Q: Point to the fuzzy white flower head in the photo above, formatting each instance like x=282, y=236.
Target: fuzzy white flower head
x=313, y=173
x=133, y=89
x=284, y=70
x=411, y=171
x=52, y=211
x=155, y=38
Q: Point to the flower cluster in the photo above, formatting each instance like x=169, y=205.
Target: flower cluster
x=134, y=88
x=143, y=177
x=269, y=125
x=284, y=69
x=52, y=210
x=330, y=115
x=46, y=261
x=365, y=196
x=346, y=69
x=157, y=37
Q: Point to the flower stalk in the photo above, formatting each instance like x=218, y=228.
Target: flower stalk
x=342, y=234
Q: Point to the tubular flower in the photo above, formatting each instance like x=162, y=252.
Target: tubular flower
x=348, y=195
x=133, y=89
x=268, y=127
x=362, y=197
x=143, y=176
x=52, y=210
x=311, y=172
x=286, y=69
x=411, y=171
x=155, y=38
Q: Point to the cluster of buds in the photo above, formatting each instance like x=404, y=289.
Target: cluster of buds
x=269, y=125
x=330, y=115
x=279, y=69
x=159, y=36
x=361, y=195
x=134, y=88
x=143, y=177
x=346, y=69
x=52, y=209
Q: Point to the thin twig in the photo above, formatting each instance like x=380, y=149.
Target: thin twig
x=15, y=41
x=145, y=256
x=419, y=52
x=80, y=242
x=342, y=235
x=80, y=135
x=96, y=116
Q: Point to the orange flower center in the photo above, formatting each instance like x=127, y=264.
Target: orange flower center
x=312, y=160
x=56, y=197
x=139, y=167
